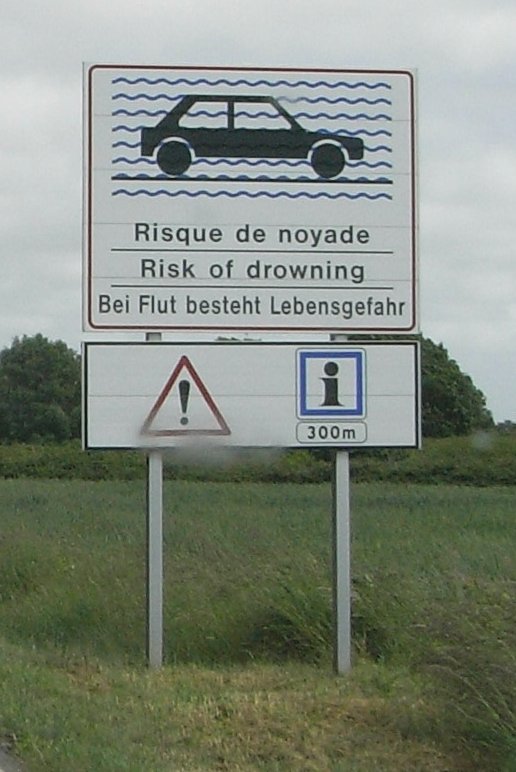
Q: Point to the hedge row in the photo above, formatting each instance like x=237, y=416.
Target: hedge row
x=488, y=459
x=69, y=461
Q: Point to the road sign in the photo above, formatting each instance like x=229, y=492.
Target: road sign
x=340, y=377
x=175, y=395
x=163, y=420
x=238, y=199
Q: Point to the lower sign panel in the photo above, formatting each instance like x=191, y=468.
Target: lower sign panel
x=174, y=395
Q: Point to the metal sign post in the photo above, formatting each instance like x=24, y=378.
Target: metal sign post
x=155, y=558
x=341, y=546
x=154, y=550
x=341, y=564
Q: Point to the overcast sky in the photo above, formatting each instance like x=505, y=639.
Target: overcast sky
x=465, y=57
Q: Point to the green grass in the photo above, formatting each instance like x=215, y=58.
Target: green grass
x=248, y=683
x=81, y=715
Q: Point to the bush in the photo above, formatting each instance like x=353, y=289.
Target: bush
x=480, y=460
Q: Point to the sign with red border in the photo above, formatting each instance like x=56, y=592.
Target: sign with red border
x=232, y=199
x=181, y=426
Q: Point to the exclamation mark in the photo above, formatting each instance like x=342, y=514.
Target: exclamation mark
x=184, y=393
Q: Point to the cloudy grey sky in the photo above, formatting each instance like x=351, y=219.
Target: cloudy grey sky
x=465, y=58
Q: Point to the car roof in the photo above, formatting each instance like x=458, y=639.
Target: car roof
x=227, y=98
x=188, y=100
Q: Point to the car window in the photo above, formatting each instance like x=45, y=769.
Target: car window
x=259, y=115
x=205, y=115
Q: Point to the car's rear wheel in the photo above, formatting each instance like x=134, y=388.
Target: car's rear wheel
x=327, y=160
x=174, y=158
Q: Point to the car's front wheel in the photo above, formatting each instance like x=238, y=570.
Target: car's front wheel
x=327, y=160
x=174, y=158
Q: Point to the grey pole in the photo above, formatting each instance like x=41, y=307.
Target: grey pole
x=155, y=559
x=341, y=564
x=154, y=551
x=341, y=556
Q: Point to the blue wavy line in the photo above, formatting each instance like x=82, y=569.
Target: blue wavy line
x=337, y=100
x=262, y=114
x=359, y=132
x=245, y=178
x=379, y=133
x=244, y=82
x=314, y=116
x=121, y=143
x=273, y=163
x=386, y=164
x=150, y=97
x=123, y=159
x=134, y=113
x=130, y=129
x=247, y=194
x=378, y=148
x=137, y=129
x=251, y=162
x=287, y=100
x=218, y=178
x=346, y=116
x=143, y=176
x=263, y=163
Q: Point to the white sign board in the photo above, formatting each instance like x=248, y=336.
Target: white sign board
x=256, y=200
x=175, y=395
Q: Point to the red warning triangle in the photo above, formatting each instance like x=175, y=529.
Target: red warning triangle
x=184, y=367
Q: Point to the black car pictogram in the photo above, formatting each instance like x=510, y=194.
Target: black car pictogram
x=229, y=128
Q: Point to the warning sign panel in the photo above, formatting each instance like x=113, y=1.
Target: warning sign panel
x=184, y=406
x=216, y=395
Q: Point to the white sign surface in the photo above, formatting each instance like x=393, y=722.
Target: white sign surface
x=225, y=199
x=174, y=395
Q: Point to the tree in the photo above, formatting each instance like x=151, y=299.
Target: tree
x=40, y=391
x=452, y=404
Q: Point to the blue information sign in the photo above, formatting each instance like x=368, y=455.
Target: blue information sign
x=331, y=383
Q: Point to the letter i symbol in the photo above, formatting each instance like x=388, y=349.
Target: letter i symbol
x=331, y=385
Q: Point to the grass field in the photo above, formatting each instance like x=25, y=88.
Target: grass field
x=248, y=682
